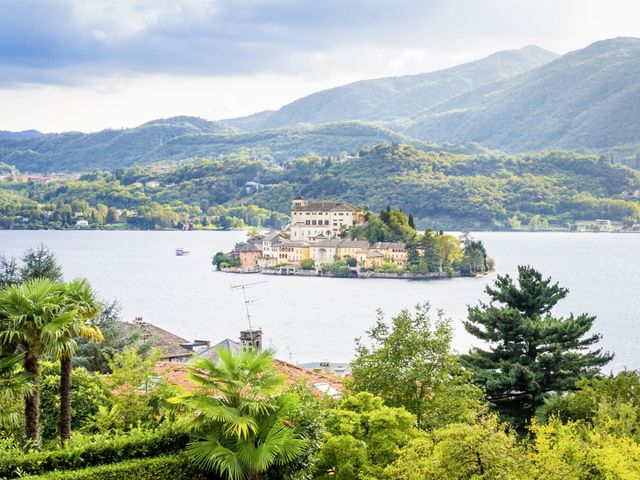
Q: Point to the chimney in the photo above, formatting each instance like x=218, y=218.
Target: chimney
x=251, y=339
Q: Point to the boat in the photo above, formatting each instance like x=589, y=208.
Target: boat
x=181, y=252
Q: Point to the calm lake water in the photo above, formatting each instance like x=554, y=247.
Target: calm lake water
x=310, y=319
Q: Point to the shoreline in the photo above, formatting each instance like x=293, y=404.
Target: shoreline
x=293, y=271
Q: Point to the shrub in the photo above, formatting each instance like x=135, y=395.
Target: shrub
x=96, y=451
x=337, y=268
x=171, y=467
x=308, y=264
x=389, y=267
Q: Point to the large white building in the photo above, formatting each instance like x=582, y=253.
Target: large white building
x=325, y=219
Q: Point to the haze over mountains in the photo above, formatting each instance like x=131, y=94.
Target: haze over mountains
x=519, y=100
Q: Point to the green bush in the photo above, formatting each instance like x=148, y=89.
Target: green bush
x=97, y=451
x=308, y=264
x=171, y=467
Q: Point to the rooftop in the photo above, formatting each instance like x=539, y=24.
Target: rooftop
x=326, y=207
x=319, y=383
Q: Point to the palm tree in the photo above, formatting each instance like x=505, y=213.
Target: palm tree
x=29, y=316
x=241, y=415
x=78, y=297
x=14, y=383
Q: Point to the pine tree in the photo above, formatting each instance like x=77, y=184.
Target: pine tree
x=530, y=352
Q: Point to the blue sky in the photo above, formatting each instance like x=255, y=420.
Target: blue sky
x=92, y=64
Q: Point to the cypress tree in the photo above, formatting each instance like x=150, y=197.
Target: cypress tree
x=530, y=352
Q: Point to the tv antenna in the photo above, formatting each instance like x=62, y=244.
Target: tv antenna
x=243, y=287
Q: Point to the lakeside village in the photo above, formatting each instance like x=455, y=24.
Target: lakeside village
x=342, y=240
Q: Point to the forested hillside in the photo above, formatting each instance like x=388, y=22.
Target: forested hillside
x=440, y=189
x=183, y=138
x=400, y=97
x=587, y=99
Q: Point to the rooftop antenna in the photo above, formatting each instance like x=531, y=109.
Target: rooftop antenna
x=243, y=287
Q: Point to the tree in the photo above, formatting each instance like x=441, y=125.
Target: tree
x=78, y=297
x=308, y=264
x=363, y=436
x=410, y=364
x=90, y=394
x=14, y=383
x=485, y=449
x=94, y=356
x=530, y=352
x=241, y=416
x=40, y=263
x=30, y=316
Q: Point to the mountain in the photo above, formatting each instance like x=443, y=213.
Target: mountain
x=587, y=99
x=6, y=135
x=76, y=151
x=393, y=98
x=182, y=138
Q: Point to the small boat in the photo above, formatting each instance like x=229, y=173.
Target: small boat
x=181, y=252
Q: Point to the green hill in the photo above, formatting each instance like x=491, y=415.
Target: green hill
x=588, y=99
x=396, y=98
x=441, y=189
x=183, y=138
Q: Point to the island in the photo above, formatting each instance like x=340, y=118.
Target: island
x=339, y=239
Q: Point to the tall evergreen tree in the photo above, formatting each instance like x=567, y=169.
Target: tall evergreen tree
x=530, y=351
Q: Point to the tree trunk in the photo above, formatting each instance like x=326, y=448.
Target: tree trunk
x=65, y=399
x=32, y=402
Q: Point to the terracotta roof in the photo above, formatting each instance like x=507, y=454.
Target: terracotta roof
x=177, y=374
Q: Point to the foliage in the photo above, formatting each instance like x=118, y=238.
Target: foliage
x=482, y=450
x=35, y=263
x=440, y=189
x=95, y=450
x=141, y=394
x=90, y=394
x=389, y=226
x=363, y=436
x=597, y=397
x=96, y=357
x=166, y=467
x=308, y=264
x=225, y=260
x=574, y=451
x=410, y=364
x=241, y=423
x=390, y=267
x=337, y=268
x=14, y=384
x=530, y=352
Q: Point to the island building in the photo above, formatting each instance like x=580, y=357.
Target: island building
x=314, y=234
x=327, y=219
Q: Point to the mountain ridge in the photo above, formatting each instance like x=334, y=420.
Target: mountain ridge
x=384, y=99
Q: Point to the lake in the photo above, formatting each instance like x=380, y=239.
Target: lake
x=311, y=319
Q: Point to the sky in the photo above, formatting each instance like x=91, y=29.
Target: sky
x=92, y=64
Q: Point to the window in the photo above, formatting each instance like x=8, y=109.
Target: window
x=308, y=222
x=326, y=222
x=313, y=222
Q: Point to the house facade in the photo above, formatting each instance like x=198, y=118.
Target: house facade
x=327, y=219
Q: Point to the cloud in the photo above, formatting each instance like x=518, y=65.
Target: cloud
x=71, y=41
x=132, y=60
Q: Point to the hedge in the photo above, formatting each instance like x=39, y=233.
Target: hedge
x=98, y=451
x=171, y=467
